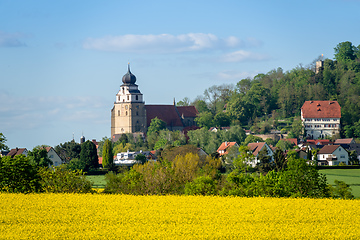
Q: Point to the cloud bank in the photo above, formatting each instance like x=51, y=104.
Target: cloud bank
x=162, y=43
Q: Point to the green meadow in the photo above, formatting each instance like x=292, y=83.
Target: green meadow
x=349, y=176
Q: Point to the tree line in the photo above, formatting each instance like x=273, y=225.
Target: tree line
x=280, y=95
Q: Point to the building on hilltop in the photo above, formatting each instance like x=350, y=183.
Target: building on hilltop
x=130, y=114
x=321, y=118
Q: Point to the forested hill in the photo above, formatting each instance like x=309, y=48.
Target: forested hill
x=282, y=94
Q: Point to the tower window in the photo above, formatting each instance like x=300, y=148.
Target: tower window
x=137, y=113
x=128, y=97
x=126, y=113
x=118, y=112
x=137, y=97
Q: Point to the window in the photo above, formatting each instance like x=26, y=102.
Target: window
x=137, y=97
x=342, y=156
x=137, y=113
x=118, y=112
x=128, y=97
x=126, y=113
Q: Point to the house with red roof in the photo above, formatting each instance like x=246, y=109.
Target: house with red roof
x=332, y=155
x=54, y=157
x=321, y=118
x=18, y=151
x=225, y=146
x=255, y=148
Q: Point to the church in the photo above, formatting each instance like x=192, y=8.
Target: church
x=130, y=114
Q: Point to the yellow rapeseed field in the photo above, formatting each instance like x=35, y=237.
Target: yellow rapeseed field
x=98, y=216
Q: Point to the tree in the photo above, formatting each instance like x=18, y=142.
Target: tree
x=184, y=102
x=18, y=175
x=265, y=165
x=3, y=146
x=280, y=161
x=156, y=125
x=68, y=150
x=205, y=119
x=107, y=153
x=284, y=145
x=303, y=180
x=88, y=155
x=141, y=158
x=345, y=51
x=39, y=157
x=222, y=119
x=243, y=159
x=341, y=190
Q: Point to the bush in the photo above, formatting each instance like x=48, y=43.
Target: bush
x=61, y=180
x=203, y=185
x=18, y=175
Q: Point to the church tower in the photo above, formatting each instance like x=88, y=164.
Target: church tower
x=128, y=114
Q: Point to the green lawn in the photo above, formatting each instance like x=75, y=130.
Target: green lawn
x=349, y=176
x=97, y=180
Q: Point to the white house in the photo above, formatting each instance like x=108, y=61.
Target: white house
x=255, y=148
x=332, y=155
x=54, y=157
x=321, y=118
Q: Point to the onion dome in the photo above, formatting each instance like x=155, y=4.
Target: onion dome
x=129, y=78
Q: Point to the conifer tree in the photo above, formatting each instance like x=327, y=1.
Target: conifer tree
x=107, y=153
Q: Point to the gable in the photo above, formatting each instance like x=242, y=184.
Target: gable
x=321, y=109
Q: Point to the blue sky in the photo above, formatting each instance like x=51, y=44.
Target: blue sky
x=61, y=62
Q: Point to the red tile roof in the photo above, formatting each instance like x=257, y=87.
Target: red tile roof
x=319, y=141
x=188, y=111
x=292, y=140
x=256, y=147
x=16, y=151
x=167, y=113
x=344, y=141
x=321, y=109
x=224, y=146
x=327, y=149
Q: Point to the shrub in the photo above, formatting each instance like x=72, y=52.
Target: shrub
x=203, y=185
x=18, y=175
x=61, y=180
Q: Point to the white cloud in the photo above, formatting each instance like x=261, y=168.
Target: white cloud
x=11, y=40
x=242, y=55
x=233, y=75
x=162, y=43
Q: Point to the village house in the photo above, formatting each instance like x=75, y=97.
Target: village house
x=255, y=148
x=225, y=146
x=321, y=118
x=18, y=151
x=53, y=156
x=332, y=155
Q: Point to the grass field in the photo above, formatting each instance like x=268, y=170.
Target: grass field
x=116, y=216
x=97, y=180
x=349, y=176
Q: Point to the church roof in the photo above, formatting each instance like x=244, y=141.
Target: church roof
x=188, y=111
x=167, y=113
